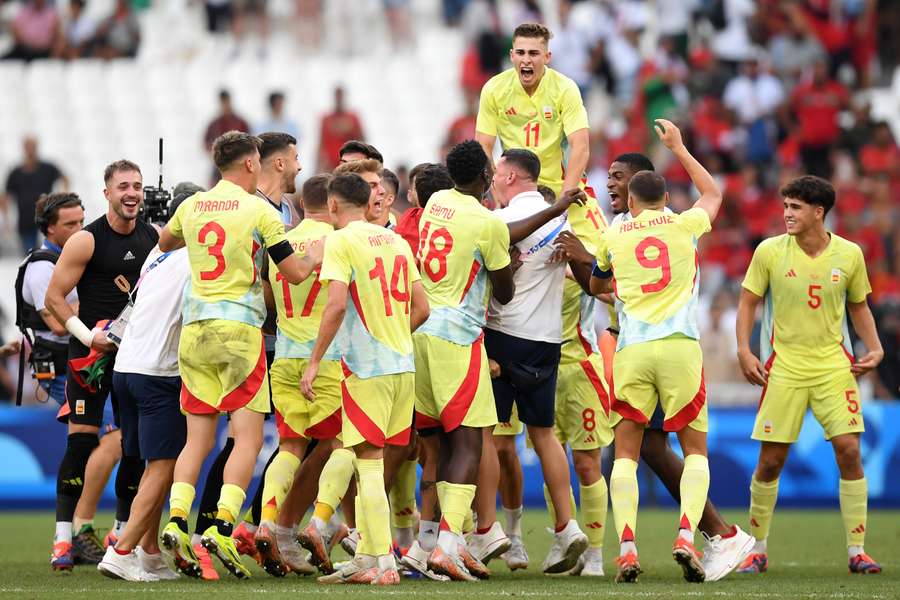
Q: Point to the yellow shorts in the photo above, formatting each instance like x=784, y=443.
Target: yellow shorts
x=582, y=405
x=453, y=384
x=223, y=367
x=513, y=427
x=668, y=372
x=377, y=410
x=297, y=417
x=835, y=404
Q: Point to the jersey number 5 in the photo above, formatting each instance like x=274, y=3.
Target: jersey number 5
x=661, y=262
x=814, y=301
x=399, y=277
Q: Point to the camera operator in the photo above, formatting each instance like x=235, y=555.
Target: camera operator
x=103, y=262
x=147, y=382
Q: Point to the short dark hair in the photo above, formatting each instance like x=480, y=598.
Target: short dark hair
x=810, y=189
x=432, y=178
x=466, y=162
x=350, y=188
x=525, y=160
x=233, y=146
x=635, y=161
x=224, y=95
x=272, y=142
x=548, y=194
x=120, y=165
x=390, y=179
x=314, y=192
x=46, y=211
x=182, y=192
x=532, y=30
x=414, y=172
x=367, y=150
x=647, y=186
x=275, y=97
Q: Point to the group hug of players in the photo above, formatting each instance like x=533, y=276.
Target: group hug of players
x=429, y=341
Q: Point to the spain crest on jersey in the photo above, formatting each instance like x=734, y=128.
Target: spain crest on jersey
x=548, y=113
x=835, y=276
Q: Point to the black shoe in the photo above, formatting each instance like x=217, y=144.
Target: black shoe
x=86, y=547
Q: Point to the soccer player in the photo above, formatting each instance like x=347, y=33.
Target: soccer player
x=376, y=297
x=221, y=355
x=370, y=171
x=658, y=357
x=357, y=150
x=811, y=280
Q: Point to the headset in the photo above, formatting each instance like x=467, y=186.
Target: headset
x=42, y=219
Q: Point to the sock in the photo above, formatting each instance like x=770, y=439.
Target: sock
x=428, y=534
x=63, y=532
x=277, y=483
x=762, y=505
x=403, y=499
x=364, y=546
x=230, y=500
x=594, y=501
x=854, y=498
x=694, y=488
x=207, y=509
x=552, y=509
x=70, y=477
x=334, y=481
x=78, y=523
x=180, y=500
x=374, y=504
x=128, y=477
x=456, y=501
x=468, y=523
x=255, y=510
x=623, y=491
x=513, y=521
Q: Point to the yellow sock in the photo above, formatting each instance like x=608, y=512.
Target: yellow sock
x=455, y=500
x=623, y=491
x=279, y=477
x=552, y=509
x=180, y=499
x=335, y=479
x=593, y=511
x=364, y=545
x=403, y=495
x=694, y=488
x=231, y=498
x=469, y=521
x=854, y=496
x=374, y=503
x=763, y=495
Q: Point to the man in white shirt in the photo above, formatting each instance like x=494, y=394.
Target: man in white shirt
x=147, y=381
x=524, y=337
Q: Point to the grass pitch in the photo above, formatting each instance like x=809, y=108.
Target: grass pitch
x=806, y=557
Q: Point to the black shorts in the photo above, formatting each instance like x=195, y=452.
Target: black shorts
x=528, y=371
x=86, y=396
x=153, y=427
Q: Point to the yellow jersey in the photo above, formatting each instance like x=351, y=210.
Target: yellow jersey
x=379, y=269
x=653, y=258
x=578, y=332
x=459, y=242
x=226, y=230
x=804, y=339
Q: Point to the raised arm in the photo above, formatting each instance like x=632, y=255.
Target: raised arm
x=487, y=144
x=710, y=195
x=746, y=316
x=579, y=154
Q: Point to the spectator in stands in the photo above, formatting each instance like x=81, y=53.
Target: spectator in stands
x=26, y=183
x=227, y=120
x=337, y=127
x=78, y=32
x=731, y=42
x=35, y=31
x=853, y=138
x=461, y=129
x=573, y=44
x=277, y=121
x=399, y=22
x=795, y=49
x=816, y=104
x=622, y=49
x=718, y=341
x=881, y=156
x=755, y=95
x=119, y=35
x=219, y=14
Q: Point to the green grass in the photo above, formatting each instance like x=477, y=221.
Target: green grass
x=807, y=560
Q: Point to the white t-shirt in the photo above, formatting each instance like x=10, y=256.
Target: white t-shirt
x=34, y=291
x=535, y=312
x=150, y=343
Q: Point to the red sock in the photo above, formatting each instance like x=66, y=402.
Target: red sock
x=731, y=533
x=122, y=552
x=482, y=530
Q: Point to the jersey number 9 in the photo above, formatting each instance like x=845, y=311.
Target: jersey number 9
x=661, y=262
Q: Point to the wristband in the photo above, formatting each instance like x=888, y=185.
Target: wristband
x=79, y=330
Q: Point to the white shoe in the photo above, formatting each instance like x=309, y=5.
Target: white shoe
x=416, y=559
x=123, y=566
x=155, y=564
x=592, y=563
x=516, y=557
x=350, y=542
x=568, y=545
x=293, y=555
x=721, y=555
x=490, y=545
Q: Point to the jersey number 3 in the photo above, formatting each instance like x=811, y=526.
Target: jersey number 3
x=215, y=250
x=661, y=262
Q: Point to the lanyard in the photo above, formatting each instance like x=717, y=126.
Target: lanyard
x=153, y=265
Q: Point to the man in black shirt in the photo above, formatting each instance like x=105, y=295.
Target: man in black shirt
x=26, y=183
x=103, y=261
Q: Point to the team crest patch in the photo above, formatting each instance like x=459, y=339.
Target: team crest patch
x=79, y=407
x=548, y=113
x=767, y=427
x=835, y=276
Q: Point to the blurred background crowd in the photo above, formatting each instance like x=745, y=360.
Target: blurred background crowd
x=764, y=90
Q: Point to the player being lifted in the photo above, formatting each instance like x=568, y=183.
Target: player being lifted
x=811, y=280
x=376, y=298
x=221, y=354
x=658, y=357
